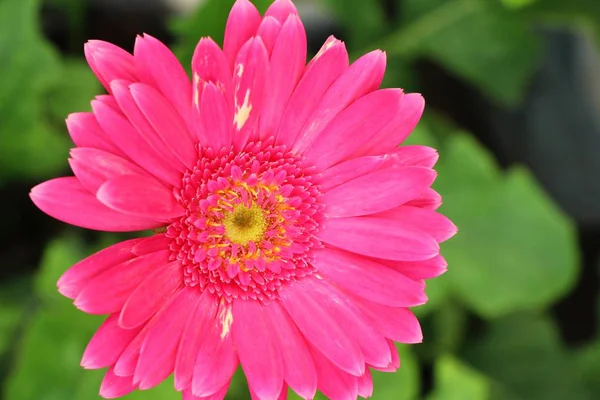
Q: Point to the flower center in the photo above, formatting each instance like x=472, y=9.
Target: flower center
x=249, y=224
x=244, y=225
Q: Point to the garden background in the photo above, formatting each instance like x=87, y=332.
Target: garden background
x=513, y=105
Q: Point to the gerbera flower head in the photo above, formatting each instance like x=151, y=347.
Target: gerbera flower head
x=291, y=235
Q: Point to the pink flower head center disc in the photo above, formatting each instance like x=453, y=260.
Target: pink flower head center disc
x=246, y=232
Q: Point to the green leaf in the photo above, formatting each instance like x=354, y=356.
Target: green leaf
x=523, y=355
x=14, y=302
x=438, y=291
x=363, y=21
x=78, y=86
x=515, y=249
x=164, y=391
x=456, y=381
x=581, y=13
x=479, y=40
x=47, y=365
x=403, y=384
x=30, y=69
x=587, y=366
x=421, y=135
x=516, y=4
x=59, y=255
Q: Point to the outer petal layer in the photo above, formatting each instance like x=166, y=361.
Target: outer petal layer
x=374, y=237
x=67, y=200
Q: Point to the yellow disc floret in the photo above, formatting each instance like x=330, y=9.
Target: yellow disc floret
x=244, y=225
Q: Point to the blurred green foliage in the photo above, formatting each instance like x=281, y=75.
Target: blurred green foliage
x=38, y=87
x=514, y=257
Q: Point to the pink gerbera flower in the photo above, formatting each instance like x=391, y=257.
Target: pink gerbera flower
x=291, y=235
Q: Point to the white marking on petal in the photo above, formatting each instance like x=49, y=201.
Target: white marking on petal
x=242, y=113
x=226, y=321
x=329, y=44
x=240, y=70
x=196, y=91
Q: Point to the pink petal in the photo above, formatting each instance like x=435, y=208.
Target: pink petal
x=434, y=224
x=213, y=95
x=405, y=156
x=219, y=395
x=93, y=167
x=429, y=199
x=369, y=279
x=155, y=60
x=249, y=83
x=321, y=72
x=377, y=191
x=298, y=366
x=132, y=111
x=353, y=128
x=283, y=395
x=159, y=350
x=127, y=362
x=114, y=386
x=213, y=118
x=361, y=78
x=202, y=314
x=333, y=382
x=257, y=348
x=151, y=295
x=281, y=10
x=242, y=24
x=371, y=342
x=286, y=66
x=348, y=170
x=107, y=344
x=166, y=122
x=151, y=244
x=376, y=238
x=209, y=64
x=67, y=200
x=395, y=364
x=426, y=269
x=127, y=138
x=217, y=359
x=109, y=62
x=108, y=291
x=398, y=324
x=399, y=128
x=414, y=155
x=309, y=304
x=365, y=384
x=140, y=196
x=76, y=277
x=86, y=132
x=268, y=31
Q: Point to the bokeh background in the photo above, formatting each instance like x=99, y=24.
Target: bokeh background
x=513, y=91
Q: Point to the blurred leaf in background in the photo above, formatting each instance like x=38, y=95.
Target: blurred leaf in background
x=457, y=381
x=524, y=356
x=573, y=13
x=37, y=89
x=515, y=249
x=479, y=40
